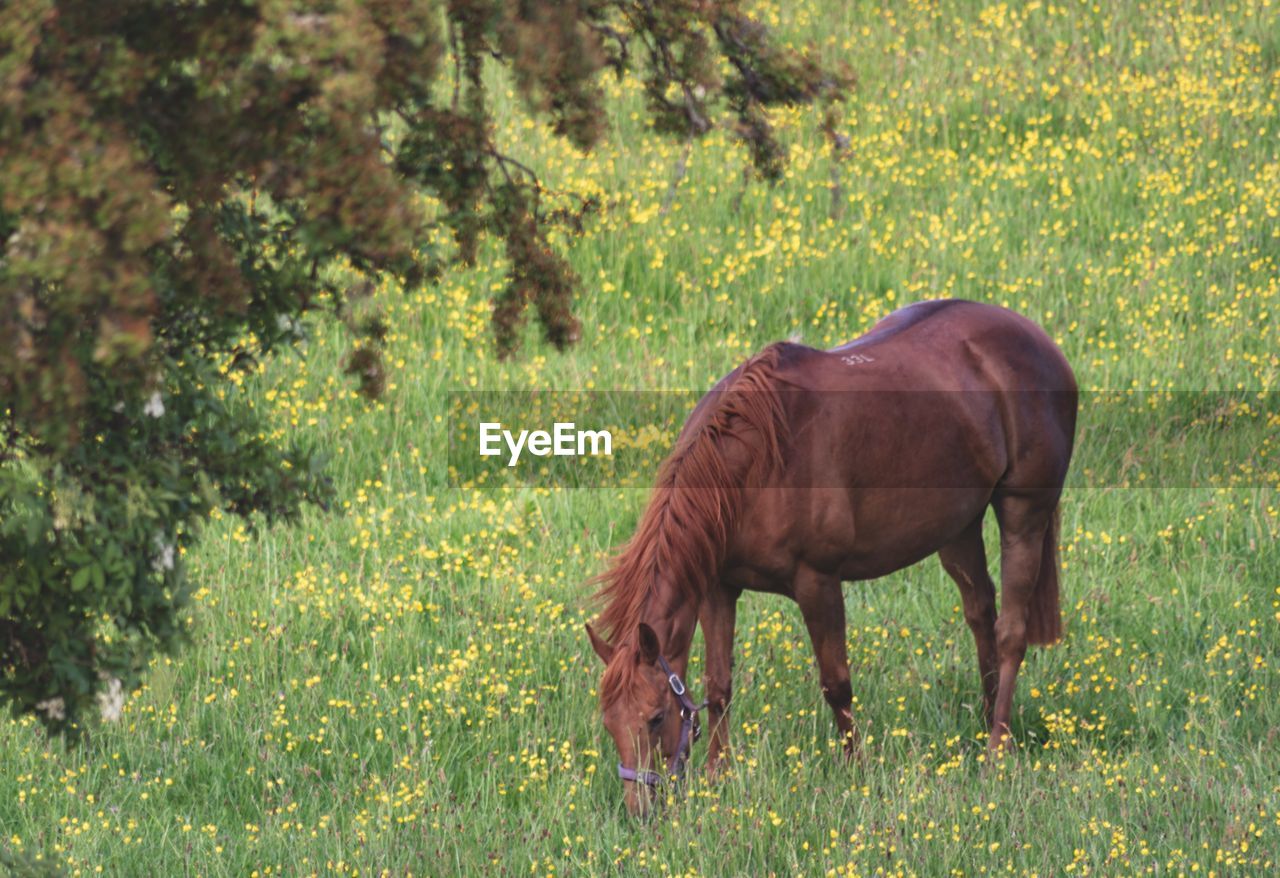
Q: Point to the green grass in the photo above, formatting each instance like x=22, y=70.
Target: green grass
x=402, y=686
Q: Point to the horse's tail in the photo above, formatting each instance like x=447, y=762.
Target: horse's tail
x=1044, y=618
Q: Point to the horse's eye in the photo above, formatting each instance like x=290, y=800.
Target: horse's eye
x=656, y=720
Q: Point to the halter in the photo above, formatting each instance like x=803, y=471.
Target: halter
x=690, y=731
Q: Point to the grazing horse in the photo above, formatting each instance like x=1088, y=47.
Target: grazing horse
x=804, y=468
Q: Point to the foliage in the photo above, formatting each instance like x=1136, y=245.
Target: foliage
x=178, y=182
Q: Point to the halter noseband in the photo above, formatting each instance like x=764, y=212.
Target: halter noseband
x=690, y=731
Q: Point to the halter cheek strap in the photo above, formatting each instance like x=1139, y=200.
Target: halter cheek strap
x=690, y=731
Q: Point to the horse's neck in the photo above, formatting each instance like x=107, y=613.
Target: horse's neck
x=674, y=626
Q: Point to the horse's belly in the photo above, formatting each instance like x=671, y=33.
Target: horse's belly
x=895, y=528
x=881, y=563
x=836, y=534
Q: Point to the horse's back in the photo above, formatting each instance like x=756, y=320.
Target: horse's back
x=977, y=358
x=952, y=344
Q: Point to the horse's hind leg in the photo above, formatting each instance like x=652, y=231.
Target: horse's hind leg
x=822, y=605
x=1023, y=524
x=965, y=560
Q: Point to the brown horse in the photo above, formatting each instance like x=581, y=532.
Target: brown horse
x=805, y=468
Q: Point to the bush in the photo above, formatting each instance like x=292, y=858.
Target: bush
x=176, y=182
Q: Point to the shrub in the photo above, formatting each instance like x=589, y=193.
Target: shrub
x=176, y=182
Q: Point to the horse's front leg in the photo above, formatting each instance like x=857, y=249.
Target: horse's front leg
x=718, y=617
x=822, y=605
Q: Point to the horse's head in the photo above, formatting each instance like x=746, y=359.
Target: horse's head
x=646, y=710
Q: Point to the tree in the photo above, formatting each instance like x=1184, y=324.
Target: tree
x=176, y=179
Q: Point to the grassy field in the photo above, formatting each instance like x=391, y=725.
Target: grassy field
x=402, y=686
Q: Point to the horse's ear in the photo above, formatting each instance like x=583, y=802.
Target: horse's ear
x=650, y=649
x=599, y=644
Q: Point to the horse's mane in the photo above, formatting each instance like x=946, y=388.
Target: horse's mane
x=683, y=535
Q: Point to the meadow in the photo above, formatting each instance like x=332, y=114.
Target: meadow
x=401, y=685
